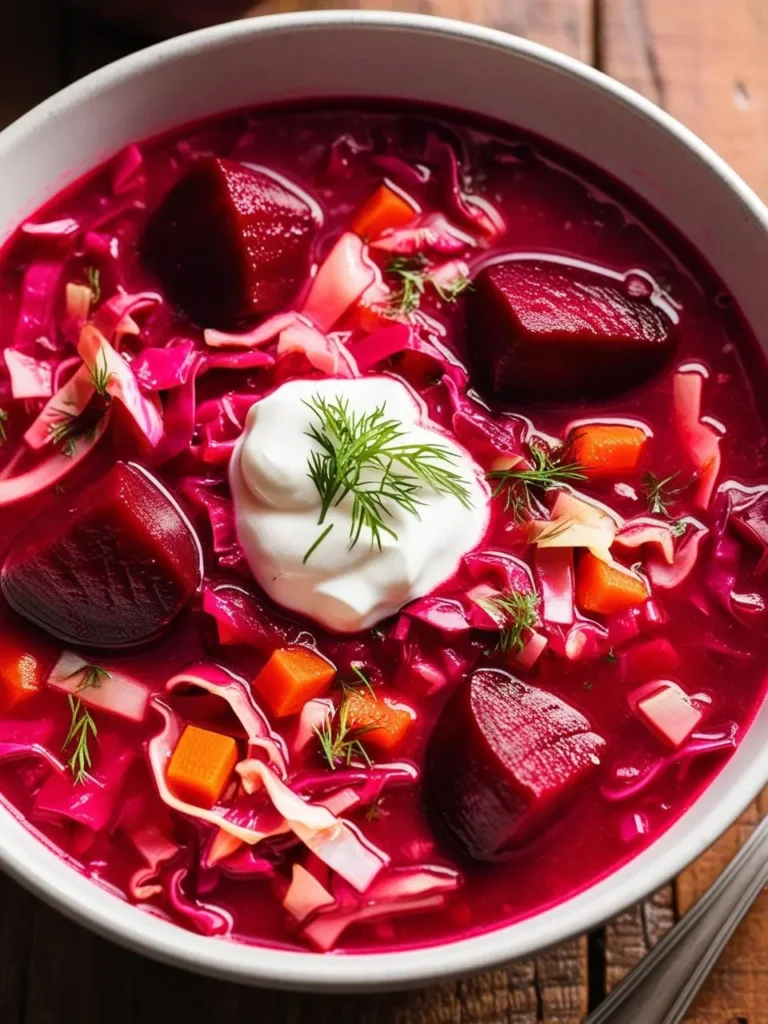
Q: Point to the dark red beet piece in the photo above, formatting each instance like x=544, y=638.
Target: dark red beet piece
x=229, y=241
x=109, y=568
x=500, y=759
x=749, y=518
x=540, y=331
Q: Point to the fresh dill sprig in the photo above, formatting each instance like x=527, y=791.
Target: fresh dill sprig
x=339, y=743
x=659, y=492
x=3, y=421
x=679, y=527
x=375, y=812
x=361, y=680
x=81, y=728
x=451, y=291
x=412, y=277
x=64, y=433
x=519, y=612
x=554, y=529
x=547, y=471
x=100, y=376
x=93, y=677
x=69, y=429
x=363, y=454
x=93, y=277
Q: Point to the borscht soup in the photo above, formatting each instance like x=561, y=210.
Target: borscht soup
x=383, y=522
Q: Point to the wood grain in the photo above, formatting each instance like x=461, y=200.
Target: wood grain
x=564, y=24
x=705, y=62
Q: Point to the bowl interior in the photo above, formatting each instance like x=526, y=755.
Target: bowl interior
x=274, y=59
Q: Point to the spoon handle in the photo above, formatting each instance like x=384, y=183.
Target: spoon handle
x=662, y=987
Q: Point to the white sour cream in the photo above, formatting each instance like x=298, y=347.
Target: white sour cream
x=277, y=507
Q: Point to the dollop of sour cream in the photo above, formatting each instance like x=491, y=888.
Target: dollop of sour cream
x=346, y=587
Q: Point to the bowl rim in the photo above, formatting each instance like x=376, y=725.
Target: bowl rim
x=33, y=862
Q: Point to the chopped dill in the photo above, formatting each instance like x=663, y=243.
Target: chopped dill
x=411, y=273
x=339, y=743
x=518, y=611
x=360, y=680
x=93, y=677
x=611, y=656
x=659, y=493
x=679, y=527
x=3, y=421
x=100, y=375
x=451, y=291
x=363, y=455
x=547, y=471
x=66, y=431
x=81, y=728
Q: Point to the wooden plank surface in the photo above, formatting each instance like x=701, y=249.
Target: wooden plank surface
x=704, y=60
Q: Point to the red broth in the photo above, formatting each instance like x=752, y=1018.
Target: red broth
x=706, y=633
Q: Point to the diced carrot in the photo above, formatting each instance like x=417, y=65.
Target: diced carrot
x=606, y=589
x=383, y=210
x=385, y=720
x=291, y=677
x=605, y=450
x=201, y=765
x=23, y=669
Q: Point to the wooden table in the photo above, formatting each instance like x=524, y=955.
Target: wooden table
x=705, y=61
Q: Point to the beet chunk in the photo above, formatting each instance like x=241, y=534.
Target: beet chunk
x=229, y=241
x=500, y=759
x=540, y=331
x=749, y=518
x=110, y=568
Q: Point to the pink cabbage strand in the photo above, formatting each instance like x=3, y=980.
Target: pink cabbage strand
x=35, y=323
x=326, y=353
x=328, y=911
x=345, y=274
x=114, y=318
x=474, y=209
x=64, y=228
x=71, y=400
x=202, y=917
x=102, y=359
x=553, y=569
x=664, y=576
x=128, y=171
x=30, y=377
x=155, y=849
x=95, y=802
x=336, y=842
x=51, y=469
x=432, y=232
x=699, y=441
x=28, y=739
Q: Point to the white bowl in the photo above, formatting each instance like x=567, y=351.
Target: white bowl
x=476, y=70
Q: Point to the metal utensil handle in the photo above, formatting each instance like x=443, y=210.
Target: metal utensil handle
x=662, y=987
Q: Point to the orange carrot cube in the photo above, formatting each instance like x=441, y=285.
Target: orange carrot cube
x=291, y=677
x=23, y=669
x=607, y=450
x=606, y=589
x=383, y=210
x=384, y=720
x=201, y=765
